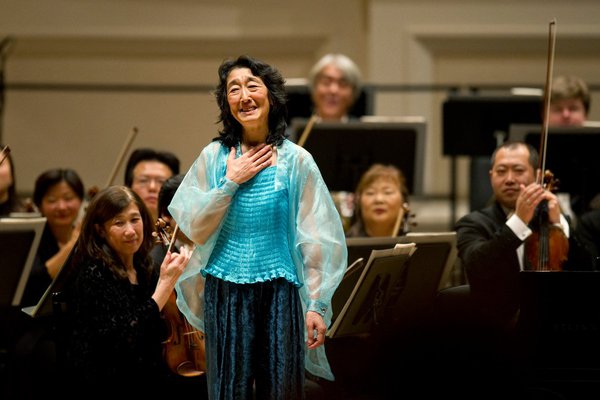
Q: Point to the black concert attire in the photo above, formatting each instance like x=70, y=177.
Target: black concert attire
x=35, y=343
x=39, y=278
x=487, y=248
x=117, y=330
x=588, y=228
x=117, y=335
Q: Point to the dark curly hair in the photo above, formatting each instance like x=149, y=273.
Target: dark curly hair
x=231, y=134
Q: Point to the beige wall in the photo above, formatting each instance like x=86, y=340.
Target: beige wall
x=475, y=42
x=181, y=42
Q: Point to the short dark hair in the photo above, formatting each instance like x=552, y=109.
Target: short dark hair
x=231, y=134
x=534, y=156
x=51, y=177
x=167, y=191
x=148, y=154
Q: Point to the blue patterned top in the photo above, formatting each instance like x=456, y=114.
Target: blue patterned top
x=314, y=231
x=253, y=244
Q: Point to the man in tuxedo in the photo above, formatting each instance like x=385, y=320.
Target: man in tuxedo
x=491, y=248
x=491, y=240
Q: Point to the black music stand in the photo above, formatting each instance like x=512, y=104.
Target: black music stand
x=365, y=307
x=19, y=241
x=559, y=319
x=343, y=151
x=571, y=153
x=428, y=270
x=476, y=124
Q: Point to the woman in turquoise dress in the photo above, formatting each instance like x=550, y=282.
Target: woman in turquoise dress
x=270, y=246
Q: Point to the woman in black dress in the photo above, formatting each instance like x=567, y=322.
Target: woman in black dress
x=116, y=299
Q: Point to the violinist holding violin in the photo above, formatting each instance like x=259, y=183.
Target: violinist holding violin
x=116, y=299
x=491, y=247
x=183, y=349
x=491, y=241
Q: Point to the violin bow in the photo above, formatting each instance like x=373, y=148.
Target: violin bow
x=307, y=129
x=124, y=150
x=4, y=154
x=173, y=236
x=400, y=219
x=547, y=97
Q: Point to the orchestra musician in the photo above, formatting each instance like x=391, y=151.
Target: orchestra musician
x=9, y=199
x=167, y=191
x=146, y=170
x=569, y=106
x=115, y=300
x=569, y=101
x=490, y=245
x=58, y=194
x=335, y=83
x=270, y=247
x=183, y=349
x=381, y=203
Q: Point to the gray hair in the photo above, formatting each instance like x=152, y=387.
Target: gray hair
x=348, y=67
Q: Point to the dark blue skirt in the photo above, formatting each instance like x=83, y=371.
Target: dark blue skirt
x=254, y=340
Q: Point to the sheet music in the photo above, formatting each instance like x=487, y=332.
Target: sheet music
x=387, y=264
x=405, y=248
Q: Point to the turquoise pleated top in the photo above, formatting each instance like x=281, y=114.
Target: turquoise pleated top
x=205, y=205
x=253, y=243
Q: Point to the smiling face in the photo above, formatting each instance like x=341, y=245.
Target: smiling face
x=60, y=205
x=125, y=233
x=380, y=204
x=248, y=99
x=332, y=94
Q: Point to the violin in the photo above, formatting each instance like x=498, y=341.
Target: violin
x=547, y=248
x=184, y=349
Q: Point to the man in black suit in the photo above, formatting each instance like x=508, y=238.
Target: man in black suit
x=491, y=245
x=490, y=241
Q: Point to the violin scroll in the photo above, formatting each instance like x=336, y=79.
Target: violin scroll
x=162, y=234
x=549, y=182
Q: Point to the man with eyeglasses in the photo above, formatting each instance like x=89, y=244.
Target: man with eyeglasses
x=147, y=169
x=335, y=86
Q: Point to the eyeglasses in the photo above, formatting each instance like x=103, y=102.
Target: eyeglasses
x=324, y=80
x=147, y=180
